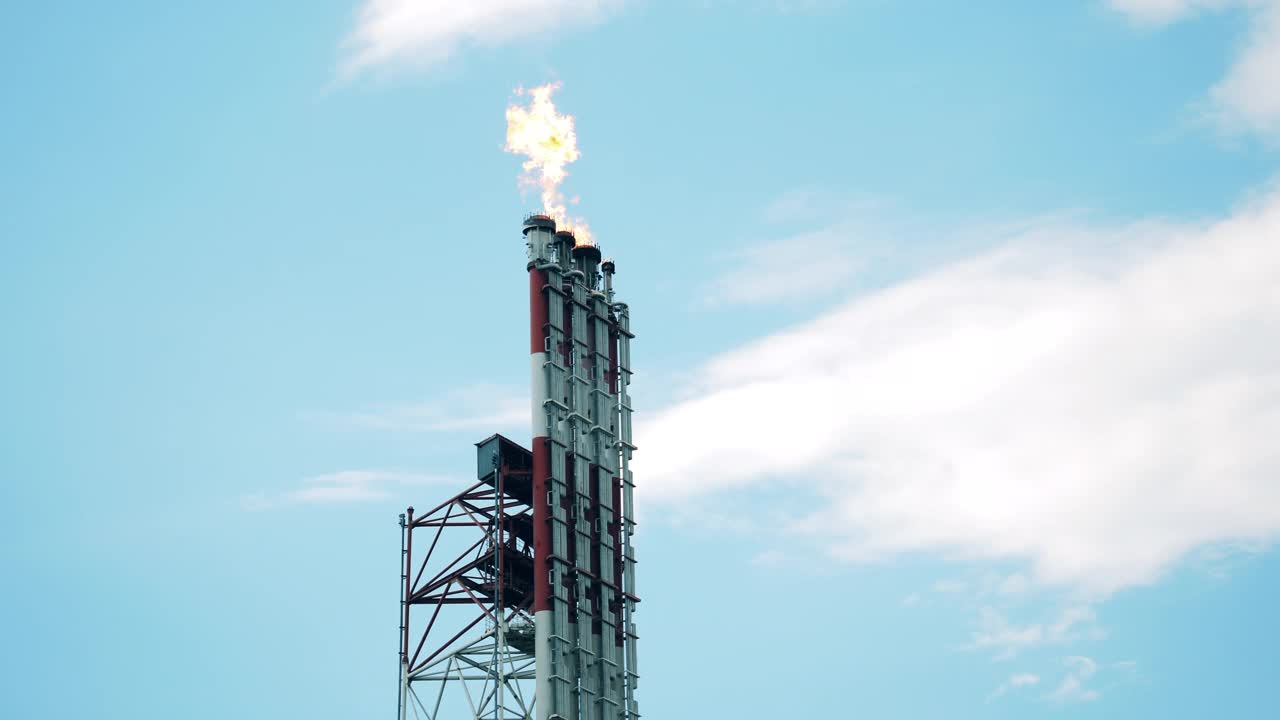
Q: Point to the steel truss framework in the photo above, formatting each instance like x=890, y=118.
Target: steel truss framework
x=492, y=679
x=482, y=658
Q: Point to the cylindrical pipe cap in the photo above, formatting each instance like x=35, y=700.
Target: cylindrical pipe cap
x=539, y=221
x=588, y=251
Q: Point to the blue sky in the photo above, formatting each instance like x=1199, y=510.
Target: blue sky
x=957, y=344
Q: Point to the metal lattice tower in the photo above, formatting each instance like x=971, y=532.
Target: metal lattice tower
x=534, y=571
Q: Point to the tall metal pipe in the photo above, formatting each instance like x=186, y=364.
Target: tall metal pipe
x=565, y=242
x=540, y=234
x=407, y=557
x=608, y=268
x=586, y=259
x=404, y=605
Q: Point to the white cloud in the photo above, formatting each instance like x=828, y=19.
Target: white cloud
x=1066, y=628
x=1015, y=584
x=1160, y=12
x=995, y=632
x=771, y=558
x=805, y=204
x=832, y=238
x=427, y=32
x=346, y=486
x=805, y=266
x=1072, y=688
x=1248, y=98
x=1014, y=682
x=789, y=7
x=475, y=407
x=1093, y=401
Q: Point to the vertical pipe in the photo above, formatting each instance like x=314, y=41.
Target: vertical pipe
x=404, y=691
x=598, y=677
x=408, y=568
x=625, y=448
x=619, y=627
x=607, y=267
x=404, y=579
x=585, y=704
x=617, y=651
x=500, y=653
x=539, y=231
x=404, y=639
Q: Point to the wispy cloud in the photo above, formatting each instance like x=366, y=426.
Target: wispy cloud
x=832, y=237
x=1248, y=97
x=423, y=33
x=1159, y=12
x=829, y=240
x=482, y=407
x=1020, y=680
x=996, y=633
x=391, y=34
x=771, y=558
x=1073, y=687
x=1012, y=584
x=950, y=586
x=1096, y=400
x=348, y=486
x=806, y=266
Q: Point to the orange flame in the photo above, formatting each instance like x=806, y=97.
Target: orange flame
x=548, y=140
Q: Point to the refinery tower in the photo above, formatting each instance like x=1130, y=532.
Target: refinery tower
x=518, y=594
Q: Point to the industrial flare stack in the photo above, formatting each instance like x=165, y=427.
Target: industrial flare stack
x=530, y=573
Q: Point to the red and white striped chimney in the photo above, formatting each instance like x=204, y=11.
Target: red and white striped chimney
x=539, y=232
